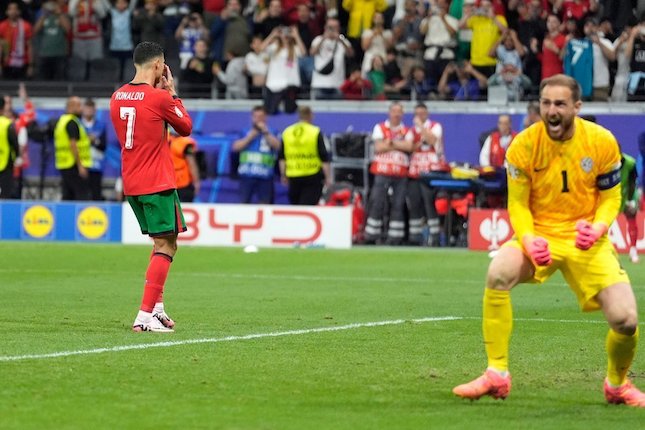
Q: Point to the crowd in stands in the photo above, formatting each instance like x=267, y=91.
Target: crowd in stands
x=280, y=50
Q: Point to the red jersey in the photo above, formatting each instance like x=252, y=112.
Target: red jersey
x=140, y=114
x=16, y=36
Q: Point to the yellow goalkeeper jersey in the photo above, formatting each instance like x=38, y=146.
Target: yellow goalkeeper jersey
x=560, y=182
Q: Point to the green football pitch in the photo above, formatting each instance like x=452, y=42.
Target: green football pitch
x=369, y=338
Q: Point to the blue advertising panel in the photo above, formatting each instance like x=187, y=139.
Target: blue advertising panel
x=65, y=221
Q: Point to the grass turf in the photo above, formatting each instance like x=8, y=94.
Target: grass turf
x=72, y=297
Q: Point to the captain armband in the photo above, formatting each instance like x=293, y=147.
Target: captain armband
x=608, y=180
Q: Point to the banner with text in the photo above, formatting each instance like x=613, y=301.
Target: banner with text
x=259, y=225
x=488, y=229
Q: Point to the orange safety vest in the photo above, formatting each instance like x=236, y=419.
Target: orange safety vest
x=497, y=153
x=391, y=163
x=178, y=146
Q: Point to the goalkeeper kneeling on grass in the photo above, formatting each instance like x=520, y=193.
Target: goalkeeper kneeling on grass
x=563, y=193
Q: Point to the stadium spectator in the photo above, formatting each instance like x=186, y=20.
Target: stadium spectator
x=578, y=60
x=197, y=77
x=148, y=24
x=283, y=47
x=635, y=51
x=552, y=48
x=619, y=90
x=173, y=12
x=190, y=30
x=8, y=153
x=461, y=81
x=258, y=151
x=530, y=29
x=361, y=15
x=576, y=9
x=426, y=137
x=140, y=112
x=355, y=86
x=304, y=160
x=121, y=43
x=407, y=36
x=182, y=152
x=393, y=78
x=605, y=27
x=619, y=13
x=15, y=35
x=375, y=41
x=603, y=53
x=256, y=66
x=87, y=32
x=377, y=79
x=390, y=170
x=234, y=77
x=72, y=152
x=419, y=86
x=440, y=30
x=97, y=134
x=308, y=29
x=508, y=52
x=564, y=231
x=52, y=29
x=487, y=28
x=329, y=51
x=230, y=32
x=268, y=19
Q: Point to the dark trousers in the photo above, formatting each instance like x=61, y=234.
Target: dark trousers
x=376, y=209
x=7, y=182
x=261, y=188
x=421, y=207
x=186, y=194
x=306, y=190
x=96, y=185
x=272, y=100
x=73, y=187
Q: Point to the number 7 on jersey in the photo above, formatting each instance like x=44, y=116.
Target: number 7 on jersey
x=129, y=114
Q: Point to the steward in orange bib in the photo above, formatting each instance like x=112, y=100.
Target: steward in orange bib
x=182, y=151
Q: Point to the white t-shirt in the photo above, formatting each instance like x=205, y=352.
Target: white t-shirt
x=336, y=78
x=435, y=128
x=439, y=35
x=377, y=47
x=282, y=73
x=256, y=64
x=601, y=64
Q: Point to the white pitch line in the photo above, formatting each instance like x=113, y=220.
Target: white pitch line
x=221, y=339
x=271, y=334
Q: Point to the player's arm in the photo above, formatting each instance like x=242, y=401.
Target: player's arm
x=172, y=108
x=610, y=197
x=519, y=191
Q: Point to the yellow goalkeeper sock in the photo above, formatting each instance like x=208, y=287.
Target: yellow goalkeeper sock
x=497, y=325
x=620, y=353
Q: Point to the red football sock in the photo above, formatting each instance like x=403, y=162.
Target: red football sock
x=632, y=229
x=155, y=279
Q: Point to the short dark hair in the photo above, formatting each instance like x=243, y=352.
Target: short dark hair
x=89, y=102
x=563, y=81
x=146, y=51
x=258, y=108
x=421, y=105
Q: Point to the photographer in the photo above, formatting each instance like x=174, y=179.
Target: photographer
x=487, y=28
x=258, y=153
x=440, y=30
x=190, y=30
x=461, y=81
x=329, y=51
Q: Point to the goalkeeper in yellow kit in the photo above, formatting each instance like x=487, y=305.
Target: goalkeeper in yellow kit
x=563, y=193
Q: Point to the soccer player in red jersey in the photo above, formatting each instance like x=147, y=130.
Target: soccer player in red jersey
x=140, y=112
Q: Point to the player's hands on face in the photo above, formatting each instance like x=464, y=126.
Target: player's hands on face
x=538, y=249
x=587, y=235
x=167, y=82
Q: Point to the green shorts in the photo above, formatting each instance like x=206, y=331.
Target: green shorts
x=158, y=214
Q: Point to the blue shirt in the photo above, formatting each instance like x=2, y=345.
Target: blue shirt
x=578, y=63
x=257, y=160
x=96, y=151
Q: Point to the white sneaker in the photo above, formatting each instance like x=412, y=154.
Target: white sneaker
x=153, y=325
x=164, y=319
x=633, y=254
